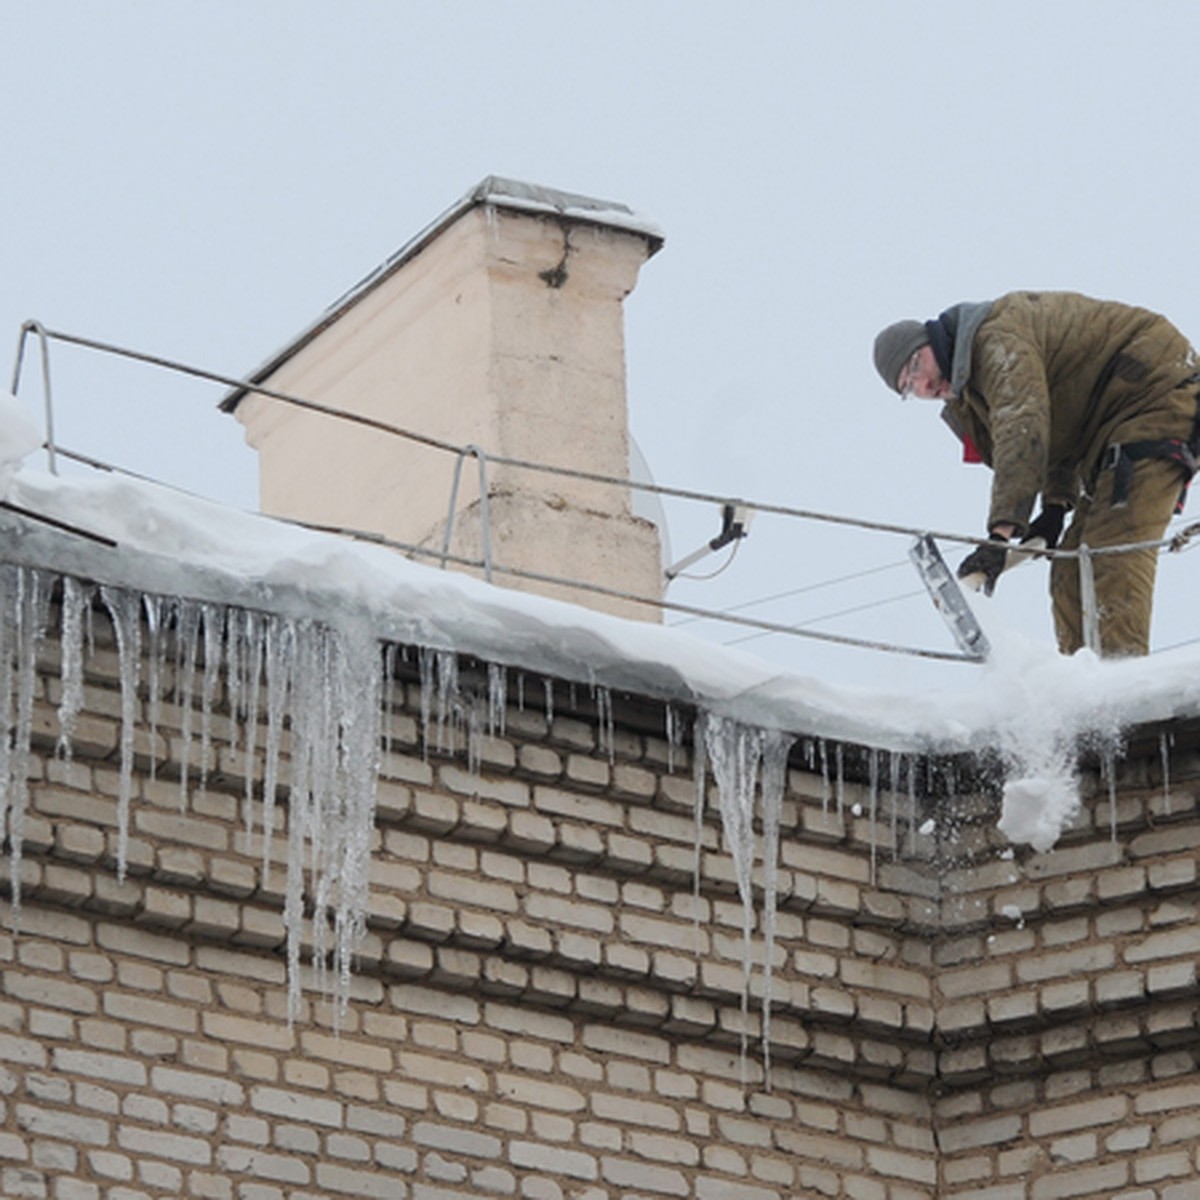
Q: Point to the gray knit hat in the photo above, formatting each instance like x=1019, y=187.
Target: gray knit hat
x=895, y=346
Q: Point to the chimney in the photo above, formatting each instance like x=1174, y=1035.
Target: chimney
x=499, y=327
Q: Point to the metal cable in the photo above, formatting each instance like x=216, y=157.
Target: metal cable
x=842, y=612
x=619, y=594
x=800, y=591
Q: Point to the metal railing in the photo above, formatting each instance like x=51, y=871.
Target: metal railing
x=1084, y=555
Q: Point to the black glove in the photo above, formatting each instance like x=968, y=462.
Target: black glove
x=988, y=561
x=1047, y=525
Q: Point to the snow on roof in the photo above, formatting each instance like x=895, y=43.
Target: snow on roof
x=1031, y=705
x=511, y=194
x=172, y=543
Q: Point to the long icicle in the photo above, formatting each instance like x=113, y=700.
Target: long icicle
x=124, y=609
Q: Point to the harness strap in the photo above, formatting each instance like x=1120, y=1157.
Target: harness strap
x=1120, y=459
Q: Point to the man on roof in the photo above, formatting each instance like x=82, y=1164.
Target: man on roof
x=1088, y=404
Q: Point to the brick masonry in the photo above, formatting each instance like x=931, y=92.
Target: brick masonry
x=547, y=1006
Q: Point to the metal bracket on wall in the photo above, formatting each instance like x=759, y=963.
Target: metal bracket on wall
x=485, y=520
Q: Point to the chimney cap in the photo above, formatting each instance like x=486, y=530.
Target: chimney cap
x=495, y=191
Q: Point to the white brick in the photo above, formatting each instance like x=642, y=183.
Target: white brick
x=245, y=1160
x=363, y=1185
x=296, y=1106
x=100, y=1066
x=167, y=1144
x=22, y=1050
x=212, y=1088
x=455, y=1140
x=662, y=1181
x=70, y=1127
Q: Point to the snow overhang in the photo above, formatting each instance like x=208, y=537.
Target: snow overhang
x=172, y=544
x=495, y=192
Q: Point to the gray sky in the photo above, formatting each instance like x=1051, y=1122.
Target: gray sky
x=200, y=180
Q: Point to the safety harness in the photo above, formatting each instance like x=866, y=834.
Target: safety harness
x=1120, y=458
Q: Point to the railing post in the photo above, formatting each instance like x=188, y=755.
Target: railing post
x=1087, y=600
x=485, y=518
x=37, y=328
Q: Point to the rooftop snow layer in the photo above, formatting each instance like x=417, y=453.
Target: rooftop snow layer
x=170, y=543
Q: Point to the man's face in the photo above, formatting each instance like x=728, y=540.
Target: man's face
x=922, y=377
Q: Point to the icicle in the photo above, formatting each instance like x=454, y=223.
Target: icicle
x=894, y=789
x=1110, y=771
x=548, y=688
x=497, y=699
x=873, y=807
x=736, y=753
x=235, y=671
x=254, y=635
x=826, y=790
x=473, y=718
x=155, y=654
x=841, y=777
x=774, y=784
x=912, y=805
x=10, y=636
x=1164, y=744
x=32, y=601
x=359, y=716
x=390, y=656
x=425, y=661
x=187, y=623
x=447, y=699
x=699, y=765
x=336, y=697
x=125, y=610
x=309, y=758
x=520, y=691
x=278, y=652
x=214, y=629
x=675, y=732
x=75, y=598
x=604, y=721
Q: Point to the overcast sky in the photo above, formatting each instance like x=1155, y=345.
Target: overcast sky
x=200, y=180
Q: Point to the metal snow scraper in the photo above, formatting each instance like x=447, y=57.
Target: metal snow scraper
x=948, y=599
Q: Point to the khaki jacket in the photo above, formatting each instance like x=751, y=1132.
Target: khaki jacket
x=1050, y=379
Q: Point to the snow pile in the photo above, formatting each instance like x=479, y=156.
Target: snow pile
x=1037, y=808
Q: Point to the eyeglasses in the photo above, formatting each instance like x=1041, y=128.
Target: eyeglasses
x=908, y=374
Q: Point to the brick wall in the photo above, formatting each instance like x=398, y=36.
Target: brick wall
x=547, y=1006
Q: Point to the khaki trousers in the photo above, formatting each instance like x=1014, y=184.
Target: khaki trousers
x=1124, y=582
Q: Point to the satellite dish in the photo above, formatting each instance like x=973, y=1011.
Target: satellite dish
x=648, y=505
